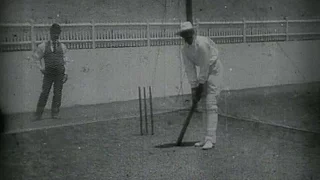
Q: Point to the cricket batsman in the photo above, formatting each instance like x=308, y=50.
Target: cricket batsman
x=206, y=85
x=51, y=56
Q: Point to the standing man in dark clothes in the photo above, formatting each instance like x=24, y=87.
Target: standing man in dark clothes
x=51, y=56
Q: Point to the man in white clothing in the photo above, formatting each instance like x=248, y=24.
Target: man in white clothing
x=202, y=52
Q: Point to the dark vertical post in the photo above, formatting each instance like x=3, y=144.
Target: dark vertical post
x=189, y=10
x=145, y=108
x=151, y=110
x=140, y=106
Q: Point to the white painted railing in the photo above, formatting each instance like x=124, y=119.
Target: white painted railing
x=25, y=37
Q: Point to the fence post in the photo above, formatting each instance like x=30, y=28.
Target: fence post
x=148, y=34
x=287, y=29
x=244, y=30
x=33, y=38
x=93, y=35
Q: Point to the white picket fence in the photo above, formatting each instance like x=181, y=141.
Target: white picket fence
x=25, y=37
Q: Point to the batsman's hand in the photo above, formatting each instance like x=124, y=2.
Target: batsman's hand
x=196, y=93
x=65, y=78
x=193, y=94
x=200, y=90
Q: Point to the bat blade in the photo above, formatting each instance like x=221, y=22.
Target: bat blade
x=186, y=124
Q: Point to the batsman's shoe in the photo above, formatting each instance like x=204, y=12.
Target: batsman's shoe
x=209, y=144
x=199, y=144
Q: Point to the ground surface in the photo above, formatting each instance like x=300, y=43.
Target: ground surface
x=113, y=148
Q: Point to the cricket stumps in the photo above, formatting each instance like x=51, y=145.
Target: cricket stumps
x=145, y=127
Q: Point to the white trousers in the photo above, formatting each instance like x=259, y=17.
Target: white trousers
x=208, y=103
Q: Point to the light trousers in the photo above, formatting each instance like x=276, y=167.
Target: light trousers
x=209, y=104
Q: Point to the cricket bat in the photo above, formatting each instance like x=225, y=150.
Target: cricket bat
x=186, y=123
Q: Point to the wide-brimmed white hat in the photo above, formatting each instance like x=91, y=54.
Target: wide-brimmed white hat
x=185, y=26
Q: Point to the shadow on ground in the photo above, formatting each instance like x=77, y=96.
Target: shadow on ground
x=170, y=145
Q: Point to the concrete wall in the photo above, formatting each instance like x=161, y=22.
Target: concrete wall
x=107, y=75
x=269, y=64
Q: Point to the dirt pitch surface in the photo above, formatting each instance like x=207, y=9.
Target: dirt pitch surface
x=277, y=137
x=115, y=150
